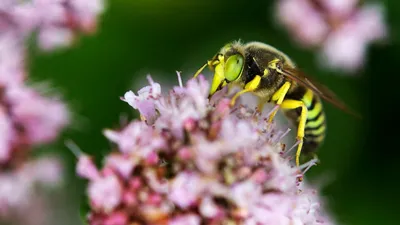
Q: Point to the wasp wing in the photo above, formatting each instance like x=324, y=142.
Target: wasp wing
x=319, y=89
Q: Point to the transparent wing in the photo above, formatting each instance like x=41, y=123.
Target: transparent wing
x=317, y=88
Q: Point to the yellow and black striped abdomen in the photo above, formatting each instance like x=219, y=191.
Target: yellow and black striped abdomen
x=315, y=126
x=315, y=129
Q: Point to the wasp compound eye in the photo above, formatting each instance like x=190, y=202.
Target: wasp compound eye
x=233, y=67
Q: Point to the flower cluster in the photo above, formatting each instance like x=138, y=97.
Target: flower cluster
x=29, y=118
x=341, y=29
x=56, y=21
x=192, y=161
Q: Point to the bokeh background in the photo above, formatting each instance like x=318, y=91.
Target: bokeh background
x=359, y=159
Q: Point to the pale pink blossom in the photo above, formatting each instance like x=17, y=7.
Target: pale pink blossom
x=185, y=189
x=42, y=118
x=105, y=193
x=122, y=164
x=339, y=8
x=58, y=21
x=86, y=168
x=11, y=59
x=53, y=37
x=20, y=192
x=45, y=170
x=217, y=166
x=340, y=30
x=185, y=220
x=131, y=139
x=28, y=117
x=6, y=136
x=208, y=208
x=346, y=46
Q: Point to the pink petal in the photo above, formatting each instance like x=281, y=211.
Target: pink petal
x=185, y=220
x=52, y=37
x=86, y=168
x=185, y=189
x=6, y=134
x=123, y=165
x=105, y=193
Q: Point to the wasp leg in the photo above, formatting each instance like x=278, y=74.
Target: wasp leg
x=279, y=96
x=250, y=87
x=293, y=104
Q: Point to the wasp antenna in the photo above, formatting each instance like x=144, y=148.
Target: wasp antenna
x=201, y=69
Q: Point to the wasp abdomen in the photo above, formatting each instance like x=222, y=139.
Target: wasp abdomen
x=316, y=124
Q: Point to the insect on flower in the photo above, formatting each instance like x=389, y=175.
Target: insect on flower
x=271, y=75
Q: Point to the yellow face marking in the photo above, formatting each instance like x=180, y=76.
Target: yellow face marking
x=219, y=76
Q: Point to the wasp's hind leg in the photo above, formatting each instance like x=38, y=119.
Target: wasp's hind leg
x=294, y=104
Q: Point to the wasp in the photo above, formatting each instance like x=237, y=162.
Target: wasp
x=271, y=75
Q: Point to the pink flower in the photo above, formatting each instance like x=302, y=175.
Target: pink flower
x=27, y=117
x=342, y=30
x=105, y=193
x=122, y=164
x=6, y=132
x=19, y=189
x=144, y=100
x=339, y=8
x=303, y=20
x=86, y=168
x=86, y=12
x=46, y=171
x=185, y=220
x=57, y=20
x=215, y=166
x=11, y=59
x=41, y=118
x=346, y=47
x=185, y=189
x=131, y=139
x=53, y=37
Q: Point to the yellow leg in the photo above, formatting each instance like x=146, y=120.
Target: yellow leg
x=250, y=86
x=233, y=100
x=293, y=104
x=278, y=97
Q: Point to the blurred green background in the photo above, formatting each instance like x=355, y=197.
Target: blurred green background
x=159, y=37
